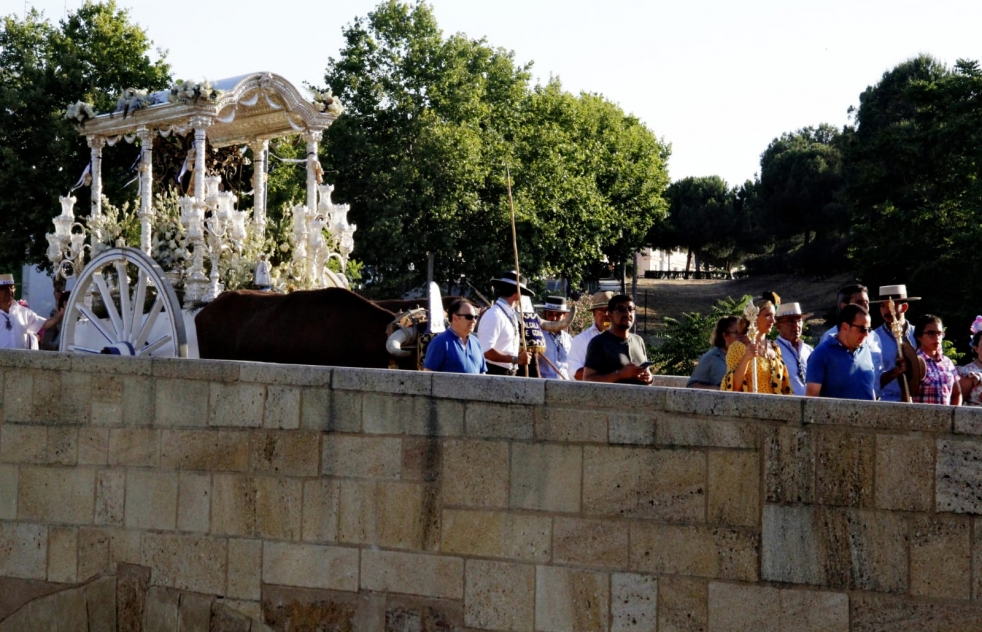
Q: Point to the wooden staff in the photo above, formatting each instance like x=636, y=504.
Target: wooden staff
x=518, y=276
x=898, y=333
x=750, y=312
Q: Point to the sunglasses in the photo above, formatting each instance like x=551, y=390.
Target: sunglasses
x=625, y=309
x=467, y=316
x=861, y=328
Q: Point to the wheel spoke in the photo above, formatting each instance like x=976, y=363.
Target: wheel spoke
x=83, y=349
x=107, y=300
x=155, y=310
x=153, y=346
x=95, y=322
x=141, y=297
x=124, y=299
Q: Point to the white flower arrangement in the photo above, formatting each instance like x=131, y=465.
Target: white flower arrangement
x=191, y=92
x=80, y=112
x=327, y=101
x=132, y=99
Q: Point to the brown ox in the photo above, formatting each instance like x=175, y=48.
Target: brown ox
x=332, y=327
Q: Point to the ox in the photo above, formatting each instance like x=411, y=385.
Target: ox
x=331, y=327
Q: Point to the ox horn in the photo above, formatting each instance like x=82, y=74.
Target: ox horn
x=554, y=326
x=399, y=337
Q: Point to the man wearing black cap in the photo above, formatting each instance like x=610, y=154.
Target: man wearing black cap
x=499, y=332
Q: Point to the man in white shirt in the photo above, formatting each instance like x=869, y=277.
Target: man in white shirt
x=499, y=331
x=577, y=351
x=19, y=325
x=794, y=350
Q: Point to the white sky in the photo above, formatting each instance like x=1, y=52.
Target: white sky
x=718, y=79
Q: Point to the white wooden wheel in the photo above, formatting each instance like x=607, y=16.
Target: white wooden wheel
x=139, y=312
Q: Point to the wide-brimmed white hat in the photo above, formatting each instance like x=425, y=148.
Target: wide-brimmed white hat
x=6, y=279
x=787, y=310
x=895, y=292
x=554, y=304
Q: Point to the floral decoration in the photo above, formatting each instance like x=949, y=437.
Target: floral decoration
x=132, y=99
x=80, y=112
x=327, y=101
x=191, y=92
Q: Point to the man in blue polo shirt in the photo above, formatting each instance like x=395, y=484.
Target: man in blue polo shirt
x=456, y=350
x=842, y=365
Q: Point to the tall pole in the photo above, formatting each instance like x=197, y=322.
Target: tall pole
x=518, y=275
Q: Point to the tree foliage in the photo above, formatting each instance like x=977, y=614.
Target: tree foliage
x=90, y=55
x=432, y=122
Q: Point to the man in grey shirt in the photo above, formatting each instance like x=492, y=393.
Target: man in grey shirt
x=617, y=355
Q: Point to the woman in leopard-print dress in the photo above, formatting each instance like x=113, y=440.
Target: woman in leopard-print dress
x=772, y=374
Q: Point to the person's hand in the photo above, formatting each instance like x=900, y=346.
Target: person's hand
x=633, y=372
x=899, y=368
x=524, y=357
x=751, y=351
x=645, y=377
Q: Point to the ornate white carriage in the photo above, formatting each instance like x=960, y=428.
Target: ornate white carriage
x=123, y=301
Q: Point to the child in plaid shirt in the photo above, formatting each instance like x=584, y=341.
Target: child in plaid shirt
x=940, y=383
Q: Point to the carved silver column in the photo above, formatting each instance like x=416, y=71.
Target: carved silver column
x=197, y=283
x=146, y=186
x=96, y=143
x=260, y=151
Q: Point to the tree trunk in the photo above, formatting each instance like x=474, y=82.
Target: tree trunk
x=688, y=261
x=698, y=258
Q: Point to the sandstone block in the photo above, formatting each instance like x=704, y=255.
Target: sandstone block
x=282, y=408
x=789, y=465
x=500, y=389
x=62, y=446
x=279, y=503
x=180, y=402
x=397, y=515
x=198, y=370
x=734, y=488
x=62, y=555
x=904, y=473
x=607, y=397
x=233, y=505
x=238, y=404
x=546, y=477
x=134, y=446
x=162, y=610
x=289, y=453
x=138, y=406
x=359, y=456
x=498, y=421
x=683, y=605
x=310, y=566
x=23, y=550
x=405, y=414
x=590, y=542
x=865, y=550
x=124, y=547
x=193, y=501
x=695, y=551
x=844, y=469
x=106, y=408
x=497, y=534
x=70, y=610
x=631, y=429
x=883, y=415
x=93, y=446
x=320, y=510
x=93, y=552
x=499, y=596
x=968, y=420
x=18, y=396
x=72, y=395
x=633, y=602
x=790, y=546
x=734, y=608
x=245, y=565
x=882, y=613
x=151, y=499
x=957, y=472
x=814, y=611
x=23, y=444
x=315, y=409
x=673, y=429
x=412, y=573
x=572, y=425
x=100, y=597
x=475, y=473
x=285, y=374
x=97, y=364
x=569, y=599
x=8, y=492
x=65, y=495
x=422, y=459
x=110, y=494
x=47, y=405
x=382, y=381
x=214, y=450
x=666, y=485
x=186, y=562
x=344, y=414
x=194, y=612
x=720, y=404
x=940, y=559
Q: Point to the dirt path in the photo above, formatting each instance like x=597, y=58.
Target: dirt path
x=675, y=297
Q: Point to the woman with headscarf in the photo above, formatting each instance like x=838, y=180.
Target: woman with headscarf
x=772, y=374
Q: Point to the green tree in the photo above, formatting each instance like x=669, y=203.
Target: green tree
x=702, y=219
x=914, y=174
x=90, y=55
x=431, y=123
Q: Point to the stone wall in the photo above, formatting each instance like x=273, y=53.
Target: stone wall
x=385, y=500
